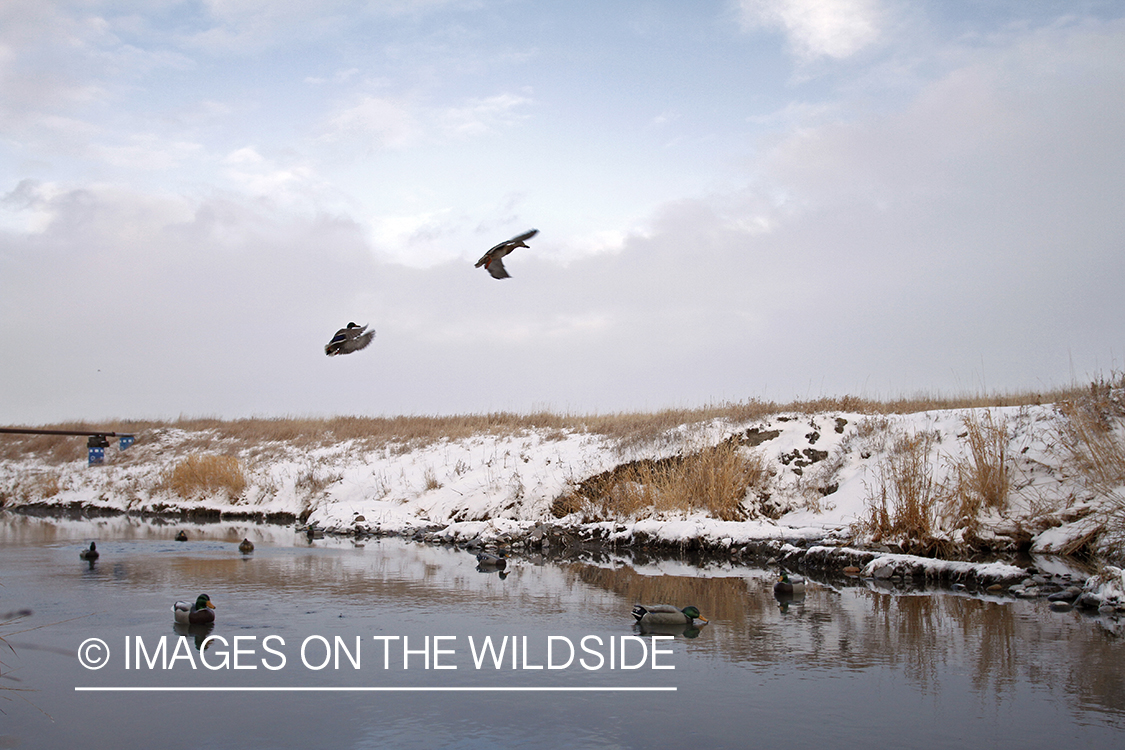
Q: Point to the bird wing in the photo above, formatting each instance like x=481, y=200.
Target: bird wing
x=496, y=268
x=357, y=342
x=524, y=237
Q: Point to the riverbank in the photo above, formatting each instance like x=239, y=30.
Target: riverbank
x=957, y=483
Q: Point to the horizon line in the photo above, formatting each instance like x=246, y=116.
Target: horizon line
x=266, y=689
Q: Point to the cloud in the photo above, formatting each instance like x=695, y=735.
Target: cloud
x=818, y=28
x=381, y=122
x=402, y=122
x=479, y=116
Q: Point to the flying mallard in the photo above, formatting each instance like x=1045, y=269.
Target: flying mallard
x=199, y=613
x=492, y=259
x=89, y=554
x=246, y=547
x=789, y=585
x=666, y=614
x=349, y=339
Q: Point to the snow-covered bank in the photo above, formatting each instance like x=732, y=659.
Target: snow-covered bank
x=823, y=475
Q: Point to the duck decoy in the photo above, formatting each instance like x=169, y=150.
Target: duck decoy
x=89, y=554
x=667, y=614
x=492, y=561
x=350, y=338
x=493, y=259
x=246, y=547
x=200, y=613
x=182, y=536
x=789, y=584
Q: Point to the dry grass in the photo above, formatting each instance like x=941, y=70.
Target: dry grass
x=1092, y=433
x=905, y=506
x=430, y=480
x=628, y=429
x=207, y=474
x=714, y=480
x=982, y=479
x=908, y=503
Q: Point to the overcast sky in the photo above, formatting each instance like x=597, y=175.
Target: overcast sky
x=760, y=199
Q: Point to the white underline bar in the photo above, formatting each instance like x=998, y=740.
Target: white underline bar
x=228, y=689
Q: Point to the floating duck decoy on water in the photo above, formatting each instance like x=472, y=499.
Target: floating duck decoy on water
x=89, y=554
x=350, y=338
x=493, y=259
x=789, y=584
x=200, y=613
x=182, y=536
x=246, y=547
x=667, y=614
x=492, y=561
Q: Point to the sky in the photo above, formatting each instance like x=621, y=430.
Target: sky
x=736, y=199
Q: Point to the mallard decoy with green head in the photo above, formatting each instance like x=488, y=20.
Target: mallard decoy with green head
x=492, y=561
x=493, y=259
x=200, y=613
x=350, y=338
x=667, y=614
x=89, y=554
x=246, y=547
x=788, y=584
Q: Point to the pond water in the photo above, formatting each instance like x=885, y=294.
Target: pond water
x=380, y=645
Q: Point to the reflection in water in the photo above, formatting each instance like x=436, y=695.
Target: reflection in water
x=198, y=633
x=872, y=665
x=686, y=630
x=785, y=598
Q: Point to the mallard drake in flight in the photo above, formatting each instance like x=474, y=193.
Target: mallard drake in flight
x=666, y=614
x=789, y=585
x=348, y=339
x=199, y=613
x=89, y=554
x=492, y=260
x=246, y=547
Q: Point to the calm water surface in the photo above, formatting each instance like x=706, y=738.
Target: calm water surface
x=843, y=665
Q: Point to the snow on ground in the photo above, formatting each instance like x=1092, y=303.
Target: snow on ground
x=825, y=470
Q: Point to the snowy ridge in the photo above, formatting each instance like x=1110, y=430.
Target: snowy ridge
x=824, y=471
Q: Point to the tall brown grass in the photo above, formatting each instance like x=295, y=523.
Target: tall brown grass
x=714, y=480
x=910, y=506
x=204, y=475
x=629, y=430
x=981, y=480
x=1092, y=432
x=905, y=505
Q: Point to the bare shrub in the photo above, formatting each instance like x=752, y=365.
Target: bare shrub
x=206, y=474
